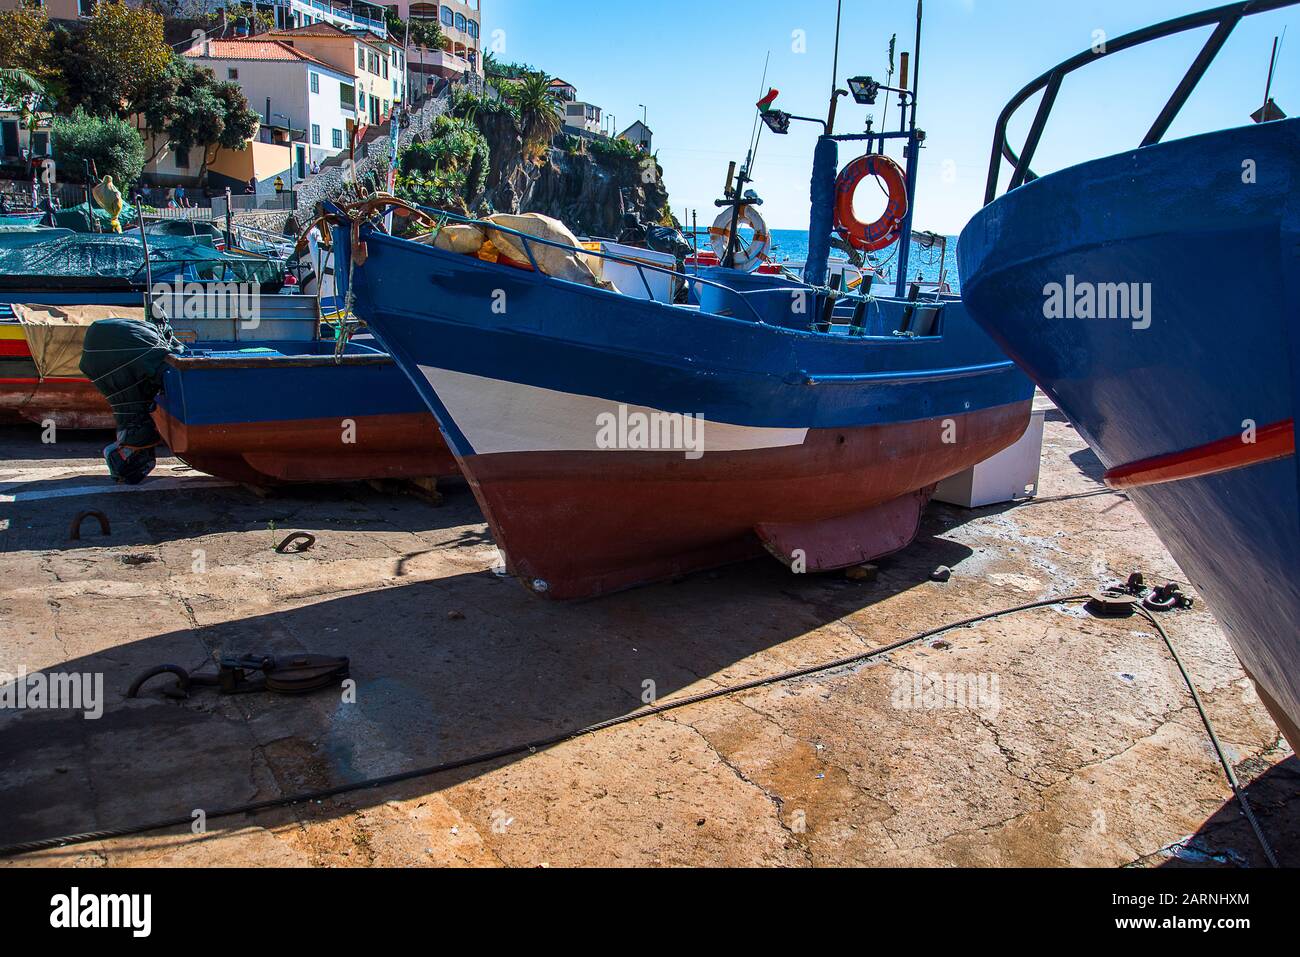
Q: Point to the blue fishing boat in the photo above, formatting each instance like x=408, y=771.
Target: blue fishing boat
x=270, y=413
x=1095, y=279
x=614, y=437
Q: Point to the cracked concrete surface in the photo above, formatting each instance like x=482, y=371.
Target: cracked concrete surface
x=1081, y=747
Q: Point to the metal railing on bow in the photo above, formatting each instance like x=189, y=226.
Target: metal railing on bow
x=1224, y=19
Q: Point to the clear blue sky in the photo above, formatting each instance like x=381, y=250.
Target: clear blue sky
x=697, y=66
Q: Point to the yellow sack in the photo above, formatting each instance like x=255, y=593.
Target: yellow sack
x=560, y=263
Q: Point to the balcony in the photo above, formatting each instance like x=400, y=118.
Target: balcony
x=344, y=12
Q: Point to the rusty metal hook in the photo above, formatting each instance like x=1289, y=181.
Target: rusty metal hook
x=74, y=531
x=307, y=542
x=179, y=690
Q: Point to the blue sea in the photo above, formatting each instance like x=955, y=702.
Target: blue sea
x=792, y=244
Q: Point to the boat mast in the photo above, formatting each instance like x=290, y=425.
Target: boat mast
x=913, y=151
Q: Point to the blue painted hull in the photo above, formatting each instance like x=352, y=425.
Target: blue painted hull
x=1209, y=230
x=286, y=412
x=808, y=437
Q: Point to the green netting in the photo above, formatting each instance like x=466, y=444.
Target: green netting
x=121, y=256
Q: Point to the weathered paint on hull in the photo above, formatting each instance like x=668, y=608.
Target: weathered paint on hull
x=400, y=446
x=68, y=403
x=588, y=523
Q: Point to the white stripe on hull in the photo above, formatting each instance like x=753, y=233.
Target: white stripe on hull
x=500, y=416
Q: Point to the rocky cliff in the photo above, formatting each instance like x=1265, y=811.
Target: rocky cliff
x=586, y=189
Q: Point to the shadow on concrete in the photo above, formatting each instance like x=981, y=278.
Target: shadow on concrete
x=1226, y=838
x=444, y=669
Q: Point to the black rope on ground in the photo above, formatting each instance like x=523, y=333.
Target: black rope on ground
x=534, y=746
x=1246, y=810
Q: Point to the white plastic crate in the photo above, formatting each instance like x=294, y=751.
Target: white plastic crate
x=1009, y=476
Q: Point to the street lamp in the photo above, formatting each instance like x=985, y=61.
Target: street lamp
x=645, y=115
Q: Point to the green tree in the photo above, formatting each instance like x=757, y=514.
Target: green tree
x=187, y=106
x=110, y=59
x=428, y=34
x=111, y=143
x=28, y=74
x=539, y=112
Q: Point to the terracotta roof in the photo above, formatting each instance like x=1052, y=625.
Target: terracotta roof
x=254, y=49
x=320, y=29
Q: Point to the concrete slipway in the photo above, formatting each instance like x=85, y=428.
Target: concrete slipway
x=1093, y=754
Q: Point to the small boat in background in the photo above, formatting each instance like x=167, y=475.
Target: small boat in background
x=1095, y=280
x=270, y=413
x=49, y=391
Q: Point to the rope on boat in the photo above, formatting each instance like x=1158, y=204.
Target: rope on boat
x=650, y=711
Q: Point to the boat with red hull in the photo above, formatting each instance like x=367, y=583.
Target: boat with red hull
x=613, y=441
x=284, y=412
x=26, y=396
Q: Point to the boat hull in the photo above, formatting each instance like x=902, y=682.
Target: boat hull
x=820, y=449
x=575, y=524
x=1189, y=406
x=271, y=419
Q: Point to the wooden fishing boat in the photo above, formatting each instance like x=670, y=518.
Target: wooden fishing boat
x=278, y=412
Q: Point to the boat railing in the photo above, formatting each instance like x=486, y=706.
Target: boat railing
x=1224, y=19
x=637, y=264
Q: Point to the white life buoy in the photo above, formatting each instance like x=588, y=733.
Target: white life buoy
x=748, y=258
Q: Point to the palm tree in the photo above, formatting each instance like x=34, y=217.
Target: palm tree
x=16, y=83
x=539, y=112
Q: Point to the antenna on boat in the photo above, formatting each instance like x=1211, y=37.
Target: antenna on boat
x=912, y=151
x=836, y=92
x=1268, y=87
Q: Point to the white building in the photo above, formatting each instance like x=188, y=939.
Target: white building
x=582, y=117
x=293, y=90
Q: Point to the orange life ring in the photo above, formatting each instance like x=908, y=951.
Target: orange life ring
x=885, y=230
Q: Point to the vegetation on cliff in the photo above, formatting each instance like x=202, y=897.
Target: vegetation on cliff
x=527, y=165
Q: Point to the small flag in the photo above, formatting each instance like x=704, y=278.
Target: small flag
x=766, y=102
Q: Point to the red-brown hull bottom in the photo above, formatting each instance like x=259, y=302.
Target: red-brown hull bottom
x=68, y=403
x=407, y=446
x=581, y=524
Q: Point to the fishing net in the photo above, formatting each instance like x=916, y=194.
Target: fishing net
x=121, y=256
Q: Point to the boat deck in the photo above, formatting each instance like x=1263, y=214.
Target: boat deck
x=1090, y=753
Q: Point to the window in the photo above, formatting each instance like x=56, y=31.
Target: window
x=232, y=73
x=347, y=97
x=394, y=89
x=315, y=82
x=461, y=23
x=182, y=159
x=336, y=138
x=374, y=63
x=361, y=58
x=448, y=18
x=385, y=68
x=473, y=29
x=85, y=8
x=361, y=99
x=315, y=134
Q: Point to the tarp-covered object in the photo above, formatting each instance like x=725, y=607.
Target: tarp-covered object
x=56, y=334
x=121, y=256
x=78, y=217
x=561, y=263
x=124, y=358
